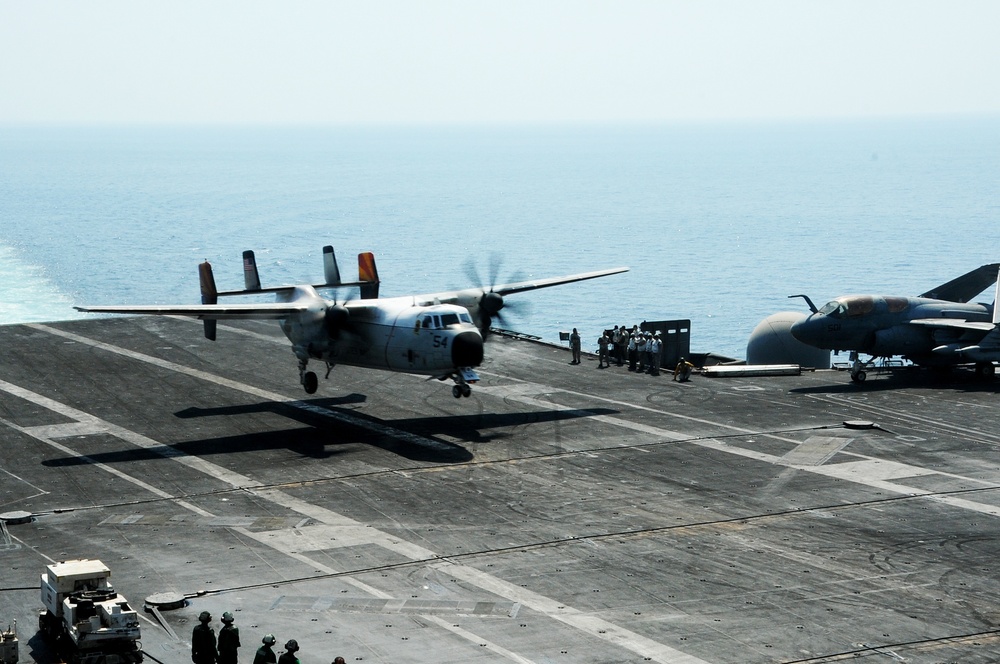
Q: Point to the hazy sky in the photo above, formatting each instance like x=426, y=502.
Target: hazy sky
x=420, y=61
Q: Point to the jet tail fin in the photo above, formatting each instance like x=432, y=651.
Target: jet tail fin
x=368, y=276
x=967, y=286
x=996, y=300
x=250, y=275
x=209, y=295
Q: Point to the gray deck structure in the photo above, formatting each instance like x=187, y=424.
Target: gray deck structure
x=561, y=514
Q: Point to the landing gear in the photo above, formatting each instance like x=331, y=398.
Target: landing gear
x=858, y=373
x=985, y=370
x=462, y=380
x=310, y=382
x=308, y=379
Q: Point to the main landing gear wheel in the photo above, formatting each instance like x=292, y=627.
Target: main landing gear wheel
x=985, y=370
x=859, y=377
x=310, y=382
x=459, y=391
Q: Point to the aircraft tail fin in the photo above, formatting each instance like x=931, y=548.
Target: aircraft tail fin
x=209, y=295
x=368, y=276
x=996, y=301
x=967, y=286
x=330, y=269
x=250, y=275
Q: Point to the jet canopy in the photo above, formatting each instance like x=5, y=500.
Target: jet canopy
x=852, y=306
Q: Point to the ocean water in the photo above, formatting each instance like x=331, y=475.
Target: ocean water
x=718, y=223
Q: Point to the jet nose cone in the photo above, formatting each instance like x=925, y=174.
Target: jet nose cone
x=467, y=349
x=797, y=329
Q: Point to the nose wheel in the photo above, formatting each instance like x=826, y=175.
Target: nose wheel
x=308, y=379
x=462, y=378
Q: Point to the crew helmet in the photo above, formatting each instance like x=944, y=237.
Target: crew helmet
x=227, y=617
x=205, y=617
x=268, y=640
x=292, y=645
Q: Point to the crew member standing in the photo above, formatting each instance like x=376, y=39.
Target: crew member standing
x=264, y=654
x=229, y=640
x=574, y=345
x=602, y=351
x=655, y=353
x=633, y=340
x=288, y=657
x=203, y=641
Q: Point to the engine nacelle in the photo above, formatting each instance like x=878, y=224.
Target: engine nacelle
x=336, y=320
x=899, y=340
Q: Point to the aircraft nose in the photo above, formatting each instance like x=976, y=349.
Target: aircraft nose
x=467, y=349
x=797, y=329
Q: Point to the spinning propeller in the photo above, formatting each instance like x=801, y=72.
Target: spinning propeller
x=491, y=303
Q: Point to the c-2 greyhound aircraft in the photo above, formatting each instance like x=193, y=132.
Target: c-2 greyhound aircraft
x=439, y=335
x=936, y=329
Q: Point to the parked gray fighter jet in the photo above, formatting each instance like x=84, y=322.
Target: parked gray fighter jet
x=937, y=328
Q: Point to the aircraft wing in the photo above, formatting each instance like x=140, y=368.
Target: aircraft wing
x=519, y=287
x=967, y=286
x=953, y=323
x=270, y=310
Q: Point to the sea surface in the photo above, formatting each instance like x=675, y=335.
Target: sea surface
x=718, y=223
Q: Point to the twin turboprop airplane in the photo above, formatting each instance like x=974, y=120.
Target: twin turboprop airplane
x=936, y=329
x=439, y=335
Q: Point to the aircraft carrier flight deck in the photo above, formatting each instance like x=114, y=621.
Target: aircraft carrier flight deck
x=561, y=514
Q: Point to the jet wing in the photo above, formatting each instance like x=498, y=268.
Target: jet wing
x=263, y=311
x=519, y=287
x=953, y=323
x=967, y=286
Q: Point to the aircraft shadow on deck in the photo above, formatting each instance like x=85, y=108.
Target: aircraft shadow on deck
x=325, y=436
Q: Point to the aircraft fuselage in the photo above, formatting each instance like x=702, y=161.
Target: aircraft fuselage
x=393, y=334
x=884, y=326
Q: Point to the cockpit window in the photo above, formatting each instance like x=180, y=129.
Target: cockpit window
x=859, y=306
x=428, y=322
x=449, y=319
x=466, y=318
x=848, y=307
x=437, y=322
x=897, y=304
x=834, y=309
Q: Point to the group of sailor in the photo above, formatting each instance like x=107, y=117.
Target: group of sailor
x=642, y=349
x=205, y=649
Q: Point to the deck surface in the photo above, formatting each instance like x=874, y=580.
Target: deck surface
x=561, y=514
